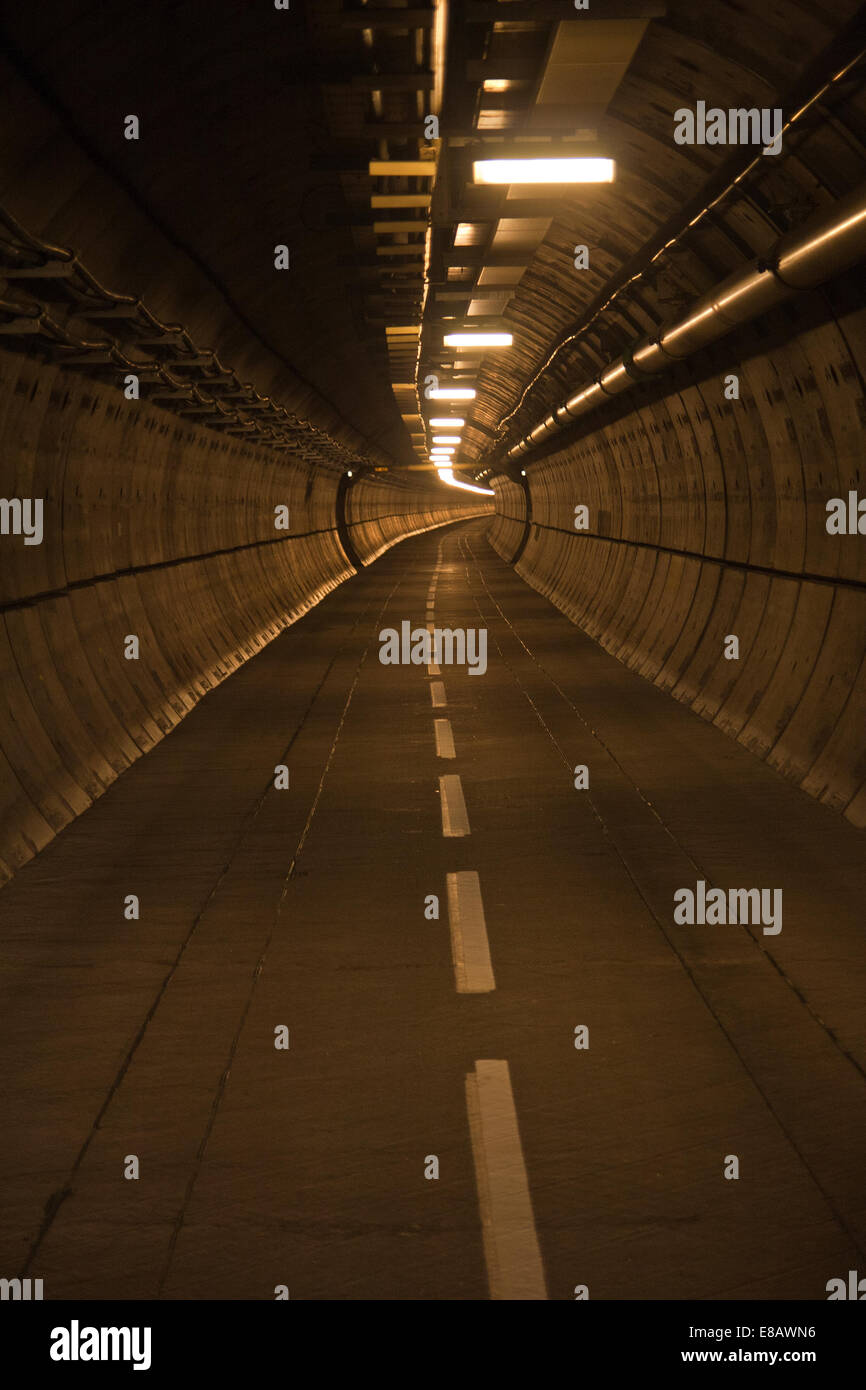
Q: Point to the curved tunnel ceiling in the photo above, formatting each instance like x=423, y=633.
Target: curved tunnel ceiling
x=228, y=195
x=727, y=57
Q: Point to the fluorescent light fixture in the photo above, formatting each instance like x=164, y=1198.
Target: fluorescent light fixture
x=441, y=453
x=496, y=84
x=452, y=421
x=447, y=476
x=568, y=169
x=453, y=393
x=446, y=439
x=478, y=340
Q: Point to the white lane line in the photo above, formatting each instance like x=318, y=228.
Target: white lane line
x=511, y=1250
x=455, y=820
x=431, y=627
x=433, y=669
x=444, y=738
x=438, y=698
x=470, y=948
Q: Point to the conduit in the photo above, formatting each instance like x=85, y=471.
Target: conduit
x=827, y=244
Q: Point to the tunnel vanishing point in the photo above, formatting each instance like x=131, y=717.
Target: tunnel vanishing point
x=433, y=650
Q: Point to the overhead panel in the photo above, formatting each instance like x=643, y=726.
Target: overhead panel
x=520, y=234
x=471, y=234
x=500, y=275
x=490, y=304
x=588, y=60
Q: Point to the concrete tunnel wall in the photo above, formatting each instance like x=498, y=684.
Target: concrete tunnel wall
x=157, y=528
x=153, y=526
x=708, y=517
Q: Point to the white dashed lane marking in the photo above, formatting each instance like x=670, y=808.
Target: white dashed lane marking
x=470, y=948
x=438, y=697
x=444, y=738
x=514, y=1267
x=455, y=820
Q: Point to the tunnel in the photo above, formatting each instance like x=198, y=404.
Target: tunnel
x=433, y=587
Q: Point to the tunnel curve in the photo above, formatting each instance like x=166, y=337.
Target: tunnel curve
x=175, y=543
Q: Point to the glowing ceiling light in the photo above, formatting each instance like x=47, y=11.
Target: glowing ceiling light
x=469, y=340
x=452, y=393
x=446, y=439
x=441, y=453
x=568, y=169
x=497, y=84
x=453, y=421
x=447, y=476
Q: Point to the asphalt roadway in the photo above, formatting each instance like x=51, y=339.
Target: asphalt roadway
x=432, y=1131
